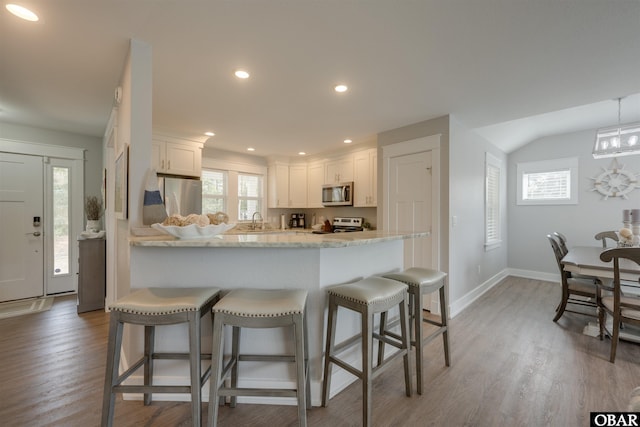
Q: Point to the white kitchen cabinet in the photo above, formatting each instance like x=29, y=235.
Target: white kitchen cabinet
x=278, y=176
x=365, y=178
x=287, y=185
x=315, y=180
x=298, y=186
x=339, y=170
x=177, y=157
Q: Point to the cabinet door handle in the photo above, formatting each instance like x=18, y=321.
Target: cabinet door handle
x=168, y=164
x=161, y=164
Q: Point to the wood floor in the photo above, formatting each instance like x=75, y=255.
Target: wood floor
x=510, y=366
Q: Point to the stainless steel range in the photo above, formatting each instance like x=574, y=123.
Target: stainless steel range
x=344, y=225
x=347, y=224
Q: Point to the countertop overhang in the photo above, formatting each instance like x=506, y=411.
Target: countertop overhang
x=276, y=240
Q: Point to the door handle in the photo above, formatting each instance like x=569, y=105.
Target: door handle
x=35, y=233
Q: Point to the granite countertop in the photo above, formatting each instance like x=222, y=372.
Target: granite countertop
x=287, y=239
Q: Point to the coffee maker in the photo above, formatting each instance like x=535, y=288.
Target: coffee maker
x=297, y=220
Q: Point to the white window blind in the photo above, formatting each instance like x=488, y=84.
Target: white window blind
x=249, y=195
x=554, y=185
x=214, y=191
x=492, y=201
x=548, y=182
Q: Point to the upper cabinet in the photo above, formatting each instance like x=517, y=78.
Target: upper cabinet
x=278, y=180
x=339, y=170
x=365, y=178
x=298, y=186
x=287, y=185
x=315, y=180
x=176, y=157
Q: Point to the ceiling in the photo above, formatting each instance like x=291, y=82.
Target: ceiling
x=514, y=70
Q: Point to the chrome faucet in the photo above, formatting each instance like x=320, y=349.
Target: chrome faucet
x=253, y=219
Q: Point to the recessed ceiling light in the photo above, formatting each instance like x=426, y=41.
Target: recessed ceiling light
x=340, y=88
x=22, y=12
x=348, y=141
x=302, y=153
x=242, y=74
x=209, y=133
x=251, y=149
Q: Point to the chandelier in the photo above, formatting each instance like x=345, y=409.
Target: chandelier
x=620, y=140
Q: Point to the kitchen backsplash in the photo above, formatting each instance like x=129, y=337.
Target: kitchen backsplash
x=369, y=214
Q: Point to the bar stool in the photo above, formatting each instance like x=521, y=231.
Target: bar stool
x=368, y=297
x=153, y=307
x=259, y=308
x=422, y=281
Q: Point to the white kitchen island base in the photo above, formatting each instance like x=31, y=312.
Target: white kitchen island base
x=306, y=263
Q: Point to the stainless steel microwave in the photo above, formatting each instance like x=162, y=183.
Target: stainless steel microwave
x=337, y=194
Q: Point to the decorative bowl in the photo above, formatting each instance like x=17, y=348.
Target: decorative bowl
x=193, y=231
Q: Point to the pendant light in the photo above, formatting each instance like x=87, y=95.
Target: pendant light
x=620, y=140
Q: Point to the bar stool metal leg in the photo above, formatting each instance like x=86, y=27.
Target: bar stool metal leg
x=444, y=322
x=329, y=349
x=149, y=341
x=111, y=376
x=301, y=366
x=367, y=354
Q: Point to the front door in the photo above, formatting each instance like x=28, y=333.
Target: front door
x=21, y=235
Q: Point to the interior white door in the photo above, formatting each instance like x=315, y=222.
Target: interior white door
x=21, y=240
x=410, y=201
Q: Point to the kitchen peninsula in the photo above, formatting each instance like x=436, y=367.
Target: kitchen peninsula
x=283, y=260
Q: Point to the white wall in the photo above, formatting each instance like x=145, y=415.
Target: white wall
x=471, y=267
x=91, y=144
x=134, y=129
x=529, y=225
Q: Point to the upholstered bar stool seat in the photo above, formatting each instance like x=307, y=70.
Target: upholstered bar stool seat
x=153, y=307
x=259, y=308
x=368, y=297
x=421, y=281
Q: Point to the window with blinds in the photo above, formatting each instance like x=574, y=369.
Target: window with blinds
x=548, y=182
x=214, y=191
x=554, y=185
x=249, y=195
x=493, y=172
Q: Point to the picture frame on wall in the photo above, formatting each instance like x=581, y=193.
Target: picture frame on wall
x=121, y=184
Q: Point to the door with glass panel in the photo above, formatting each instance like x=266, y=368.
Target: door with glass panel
x=21, y=227
x=59, y=267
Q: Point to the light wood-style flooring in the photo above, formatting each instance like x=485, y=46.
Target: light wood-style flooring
x=510, y=366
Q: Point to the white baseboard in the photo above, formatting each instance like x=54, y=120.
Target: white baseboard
x=460, y=304
x=537, y=275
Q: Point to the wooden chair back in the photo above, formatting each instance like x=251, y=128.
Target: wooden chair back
x=557, y=251
x=562, y=242
x=631, y=305
x=604, y=235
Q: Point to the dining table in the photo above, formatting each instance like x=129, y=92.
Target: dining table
x=585, y=260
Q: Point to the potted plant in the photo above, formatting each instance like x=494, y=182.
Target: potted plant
x=93, y=211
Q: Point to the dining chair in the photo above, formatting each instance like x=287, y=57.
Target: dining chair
x=604, y=235
x=621, y=308
x=581, y=290
x=562, y=242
